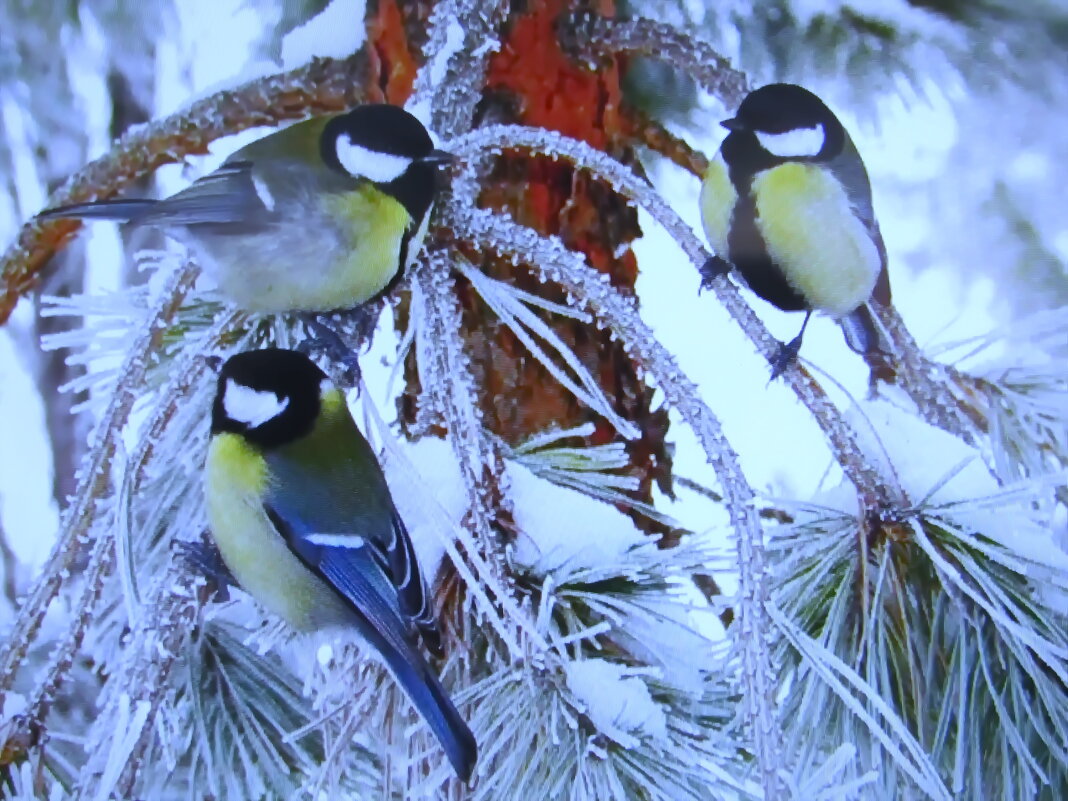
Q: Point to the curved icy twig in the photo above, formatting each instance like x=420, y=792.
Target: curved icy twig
x=590, y=36
x=554, y=262
x=871, y=485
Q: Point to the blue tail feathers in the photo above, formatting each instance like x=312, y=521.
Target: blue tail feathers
x=429, y=697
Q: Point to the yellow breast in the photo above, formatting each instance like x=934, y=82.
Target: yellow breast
x=235, y=480
x=808, y=225
x=375, y=224
x=718, y=197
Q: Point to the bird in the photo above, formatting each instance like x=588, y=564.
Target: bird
x=787, y=202
x=321, y=216
x=304, y=521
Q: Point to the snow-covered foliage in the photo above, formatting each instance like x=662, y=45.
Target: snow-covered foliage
x=897, y=633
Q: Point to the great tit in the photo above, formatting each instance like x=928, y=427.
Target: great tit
x=787, y=201
x=317, y=217
x=303, y=518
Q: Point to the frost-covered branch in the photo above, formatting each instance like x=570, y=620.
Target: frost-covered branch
x=929, y=383
x=325, y=85
x=116, y=759
x=448, y=390
x=94, y=481
x=874, y=489
x=462, y=37
x=590, y=37
x=550, y=259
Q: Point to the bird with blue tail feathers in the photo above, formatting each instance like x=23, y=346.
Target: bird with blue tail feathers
x=303, y=518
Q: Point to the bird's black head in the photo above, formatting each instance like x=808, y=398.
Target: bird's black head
x=269, y=396
x=786, y=123
x=386, y=145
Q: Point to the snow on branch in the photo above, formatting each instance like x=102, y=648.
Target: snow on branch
x=872, y=486
x=554, y=262
x=324, y=85
x=590, y=37
x=973, y=575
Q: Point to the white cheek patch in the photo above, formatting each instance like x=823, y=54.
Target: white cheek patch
x=797, y=143
x=362, y=162
x=246, y=405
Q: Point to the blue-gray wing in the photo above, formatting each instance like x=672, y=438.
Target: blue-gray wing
x=345, y=527
x=226, y=196
x=358, y=572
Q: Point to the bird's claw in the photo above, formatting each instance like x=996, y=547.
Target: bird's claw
x=711, y=270
x=786, y=355
x=327, y=341
x=203, y=557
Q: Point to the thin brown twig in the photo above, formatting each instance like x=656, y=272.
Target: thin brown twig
x=323, y=86
x=592, y=37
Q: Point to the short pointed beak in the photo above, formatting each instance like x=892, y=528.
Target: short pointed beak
x=733, y=124
x=438, y=157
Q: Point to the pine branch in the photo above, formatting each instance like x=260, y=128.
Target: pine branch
x=117, y=758
x=555, y=263
x=324, y=85
x=448, y=389
x=93, y=485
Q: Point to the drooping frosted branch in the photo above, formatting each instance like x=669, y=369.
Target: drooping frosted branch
x=550, y=259
x=325, y=85
x=591, y=37
x=871, y=485
x=116, y=760
x=94, y=482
